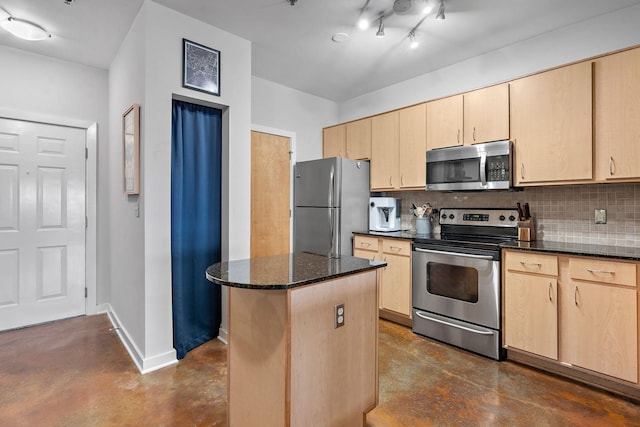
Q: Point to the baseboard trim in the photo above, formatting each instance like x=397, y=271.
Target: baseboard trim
x=144, y=365
x=395, y=317
x=616, y=386
x=223, y=335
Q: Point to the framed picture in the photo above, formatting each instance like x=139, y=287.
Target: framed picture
x=200, y=67
x=131, y=150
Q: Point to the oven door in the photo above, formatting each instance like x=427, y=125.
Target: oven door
x=457, y=285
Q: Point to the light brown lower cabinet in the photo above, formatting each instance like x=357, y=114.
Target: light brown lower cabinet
x=580, y=314
x=395, y=279
x=531, y=313
x=600, y=319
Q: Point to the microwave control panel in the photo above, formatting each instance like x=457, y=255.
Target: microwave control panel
x=498, y=168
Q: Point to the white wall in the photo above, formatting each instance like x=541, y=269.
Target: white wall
x=143, y=302
x=47, y=89
x=127, y=274
x=593, y=37
x=280, y=107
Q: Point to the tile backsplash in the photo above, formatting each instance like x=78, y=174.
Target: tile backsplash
x=562, y=213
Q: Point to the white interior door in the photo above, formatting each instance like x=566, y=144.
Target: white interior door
x=42, y=223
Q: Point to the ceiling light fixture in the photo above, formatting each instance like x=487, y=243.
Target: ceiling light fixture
x=340, y=37
x=440, y=15
x=413, y=41
x=363, y=23
x=25, y=30
x=380, y=32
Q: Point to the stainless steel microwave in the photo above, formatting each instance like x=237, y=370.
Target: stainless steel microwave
x=486, y=166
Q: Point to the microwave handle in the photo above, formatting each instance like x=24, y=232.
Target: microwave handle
x=483, y=169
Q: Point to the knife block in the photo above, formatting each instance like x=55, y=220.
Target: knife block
x=526, y=230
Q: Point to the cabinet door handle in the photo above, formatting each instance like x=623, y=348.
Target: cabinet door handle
x=522, y=170
x=550, y=289
x=390, y=181
x=458, y=136
x=575, y=296
x=611, y=165
x=601, y=271
x=365, y=244
x=474, y=133
x=395, y=248
x=537, y=264
x=402, y=179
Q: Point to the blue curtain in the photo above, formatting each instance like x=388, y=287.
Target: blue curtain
x=196, y=177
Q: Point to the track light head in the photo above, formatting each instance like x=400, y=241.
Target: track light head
x=413, y=42
x=380, y=32
x=440, y=15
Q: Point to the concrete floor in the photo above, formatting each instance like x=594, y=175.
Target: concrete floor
x=77, y=373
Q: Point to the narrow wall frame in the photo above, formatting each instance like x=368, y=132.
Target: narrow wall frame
x=131, y=150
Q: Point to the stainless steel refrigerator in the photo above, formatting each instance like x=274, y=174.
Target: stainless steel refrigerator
x=331, y=201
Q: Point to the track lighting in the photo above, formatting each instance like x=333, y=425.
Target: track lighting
x=380, y=32
x=422, y=8
x=440, y=14
x=413, y=43
x=25, y=30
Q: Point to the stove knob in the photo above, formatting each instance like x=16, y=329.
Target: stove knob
x=502, y=218
x=512, y=218
x=444, y=216
x=451, y=216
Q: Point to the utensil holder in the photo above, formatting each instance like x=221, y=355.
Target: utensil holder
x=423, y=225
x=526, y=230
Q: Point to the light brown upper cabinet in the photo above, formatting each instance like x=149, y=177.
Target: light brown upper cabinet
x=398, y=147
x=486, y=114
x=444, y=122
x=413, y=147
x=472, y=118
x=617, y=113
x=385, y=142
x=358, y=139
x=551, y=125
x=333, y=141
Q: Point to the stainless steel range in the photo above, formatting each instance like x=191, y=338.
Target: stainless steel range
x=456, y=279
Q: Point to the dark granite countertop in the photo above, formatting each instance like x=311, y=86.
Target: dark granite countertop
x=619, y=252
x=286, y=271
x=407, y=235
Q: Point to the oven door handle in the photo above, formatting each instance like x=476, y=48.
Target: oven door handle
x=429, y=251
x=475, y=331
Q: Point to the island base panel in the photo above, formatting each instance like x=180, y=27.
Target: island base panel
x=289, y=365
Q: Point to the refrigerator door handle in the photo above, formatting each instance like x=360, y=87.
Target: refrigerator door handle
x=334, y=227
x=332, y=177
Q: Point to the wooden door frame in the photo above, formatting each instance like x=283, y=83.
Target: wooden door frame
x=91, y=194
x=292, y=138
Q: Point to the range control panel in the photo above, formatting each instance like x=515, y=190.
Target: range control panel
x=479, y=217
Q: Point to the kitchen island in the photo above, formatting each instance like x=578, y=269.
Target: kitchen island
x=303, y=339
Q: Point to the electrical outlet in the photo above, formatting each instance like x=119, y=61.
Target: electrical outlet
x=601, y=216
x=338, y=310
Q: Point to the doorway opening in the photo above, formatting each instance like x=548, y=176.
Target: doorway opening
x=196, y=224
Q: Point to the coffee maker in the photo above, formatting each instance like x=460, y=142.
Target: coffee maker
x=384, y=214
